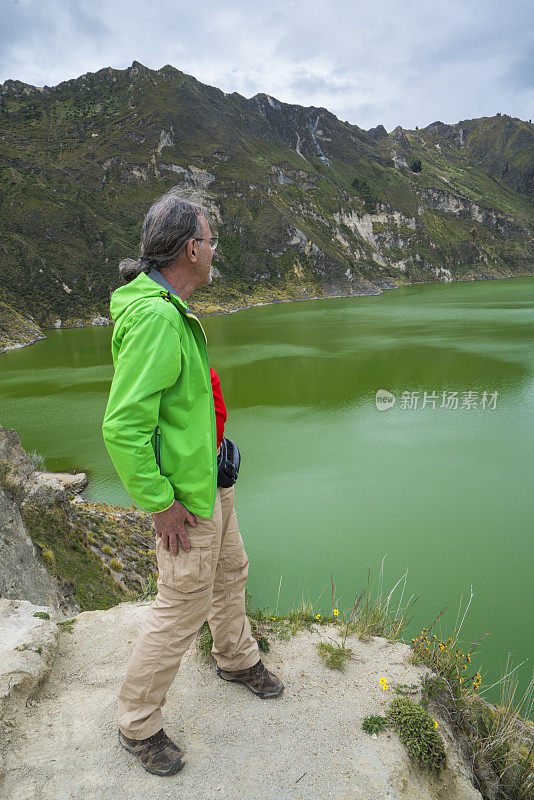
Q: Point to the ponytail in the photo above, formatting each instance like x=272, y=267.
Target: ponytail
x=130, y=269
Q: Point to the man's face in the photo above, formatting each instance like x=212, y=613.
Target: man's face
x=204, y=253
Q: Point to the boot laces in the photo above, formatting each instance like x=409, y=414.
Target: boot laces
x=261, y=669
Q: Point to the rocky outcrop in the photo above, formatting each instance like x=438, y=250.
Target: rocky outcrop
x=28, y=484
x=452, y=204
x=28, y=647
x=27, y=566
x=57, y=482
x=16, y=330
x=57, y=548
x=23, y=574
x=65, y=744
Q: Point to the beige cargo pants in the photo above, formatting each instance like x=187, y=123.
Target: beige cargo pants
x=208, y=582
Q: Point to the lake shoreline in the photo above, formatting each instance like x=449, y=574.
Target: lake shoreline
x=247, y=307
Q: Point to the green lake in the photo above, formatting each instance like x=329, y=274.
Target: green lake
x=329, y=483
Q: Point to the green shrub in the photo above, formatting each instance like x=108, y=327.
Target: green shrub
x=116, y=565
x=67, y=624
x=149, y=587
x=374, y=724
x=107, y=550
x=48, y=557
x=42, y=614
x=369, y=196
x=417, y=730
x=37, y=459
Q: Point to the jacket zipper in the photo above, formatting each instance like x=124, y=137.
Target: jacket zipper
x=157, y=446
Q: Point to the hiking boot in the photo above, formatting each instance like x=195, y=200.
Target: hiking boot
x=158, y=754
x=257, y=678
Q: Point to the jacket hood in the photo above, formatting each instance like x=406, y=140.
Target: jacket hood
x=141, y=288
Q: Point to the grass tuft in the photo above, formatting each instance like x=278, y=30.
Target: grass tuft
x=67, y=624
x=333, y=654
x=374, y=724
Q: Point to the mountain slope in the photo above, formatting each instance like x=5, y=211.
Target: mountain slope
x=307, y=205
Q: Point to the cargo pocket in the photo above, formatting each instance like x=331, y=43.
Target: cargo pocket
x=191, y=571
x=235, y=563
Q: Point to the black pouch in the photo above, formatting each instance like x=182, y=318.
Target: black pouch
x=228, y=462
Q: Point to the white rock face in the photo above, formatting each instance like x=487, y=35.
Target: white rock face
x=72, y=484
x=28, y=647
x=166, y=139
x=65, y=747
x=399, y=161
x=443, y=274
x=459, y=206
x=362, y=225
x=196, y=175
x=297, y=238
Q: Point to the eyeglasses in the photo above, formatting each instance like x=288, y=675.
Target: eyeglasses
x=213, y=240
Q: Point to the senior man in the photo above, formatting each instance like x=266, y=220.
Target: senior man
x=160, y=431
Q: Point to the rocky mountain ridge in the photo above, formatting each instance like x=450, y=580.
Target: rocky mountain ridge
x=306, y=205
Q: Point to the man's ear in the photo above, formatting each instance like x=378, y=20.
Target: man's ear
x=191, y=250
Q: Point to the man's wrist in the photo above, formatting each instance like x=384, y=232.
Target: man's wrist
x=165, y=509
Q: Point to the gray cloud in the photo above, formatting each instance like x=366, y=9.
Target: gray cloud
x=312, y=85
x=520, y=73
x=382, y=62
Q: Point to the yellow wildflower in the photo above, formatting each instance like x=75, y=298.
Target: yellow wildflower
x=317, y=616
x=383, y=680
x=384, y=687
x=435, y=724
x=335, y=612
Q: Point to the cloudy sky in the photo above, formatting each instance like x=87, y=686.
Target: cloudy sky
x=395, y=62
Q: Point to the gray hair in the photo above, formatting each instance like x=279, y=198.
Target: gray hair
x=170, y=223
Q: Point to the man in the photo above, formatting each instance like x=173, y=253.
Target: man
x=160, y=431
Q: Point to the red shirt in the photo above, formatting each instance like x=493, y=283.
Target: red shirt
x=220, y=409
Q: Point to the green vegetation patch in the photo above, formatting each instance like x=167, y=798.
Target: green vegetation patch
x=67, y=556
x=418, y=731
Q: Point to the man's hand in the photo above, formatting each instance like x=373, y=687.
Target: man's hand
x=169, y=524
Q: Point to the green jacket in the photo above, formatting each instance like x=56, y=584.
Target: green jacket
x=159, y=425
